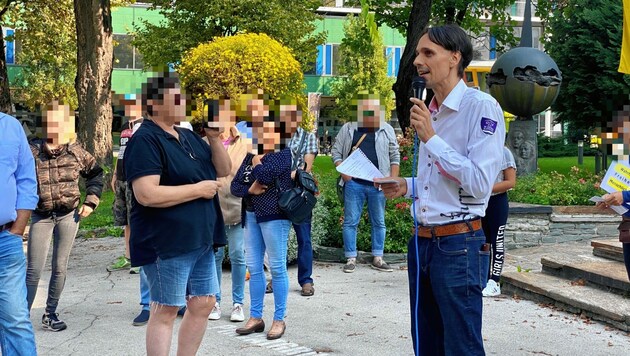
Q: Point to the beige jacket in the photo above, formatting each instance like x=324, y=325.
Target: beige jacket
x=231, y=205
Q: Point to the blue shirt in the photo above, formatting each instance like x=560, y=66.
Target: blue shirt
x=183, y=228
x=18, y=183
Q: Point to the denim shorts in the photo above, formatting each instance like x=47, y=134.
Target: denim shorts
x=173, y=280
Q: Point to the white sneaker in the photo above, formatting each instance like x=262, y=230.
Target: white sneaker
x=492, y=289
x=215, y=314
x=237, y=313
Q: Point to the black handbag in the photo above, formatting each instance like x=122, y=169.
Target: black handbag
x=298, y=202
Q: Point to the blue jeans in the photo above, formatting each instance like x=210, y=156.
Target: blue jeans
x=145, y=293
x=236, y=247
x=62, y=229
x=446, y=277
x=173, y=280
x=355, y=195
x=16, y=330
x=272, y=237
x=304, y=251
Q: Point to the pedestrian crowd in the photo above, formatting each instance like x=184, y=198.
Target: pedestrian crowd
x=184, y=195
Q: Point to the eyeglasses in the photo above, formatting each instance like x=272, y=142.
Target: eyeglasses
x=369, y=113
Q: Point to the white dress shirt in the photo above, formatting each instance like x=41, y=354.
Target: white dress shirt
x=459, y=164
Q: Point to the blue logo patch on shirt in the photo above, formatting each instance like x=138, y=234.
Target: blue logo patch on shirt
x=488, y=126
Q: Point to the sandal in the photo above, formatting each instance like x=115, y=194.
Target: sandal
x=269, y=288
x=307, y=290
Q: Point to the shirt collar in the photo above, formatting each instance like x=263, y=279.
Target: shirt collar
x=453, y=100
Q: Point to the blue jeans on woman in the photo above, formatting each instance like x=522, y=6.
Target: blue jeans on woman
x=62, y=229
x=236, y=247
x=355, y=195
x=272, y=237
x=16, y=330
x=446, y=277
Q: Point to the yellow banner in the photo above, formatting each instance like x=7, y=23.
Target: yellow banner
x=624, y=62
x=613, y=182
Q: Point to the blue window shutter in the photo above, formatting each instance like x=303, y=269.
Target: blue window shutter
x=328, y=54
x=319, y=65
x=397, y=59
x=390, y=61
x=10, y=49
x=493, y=44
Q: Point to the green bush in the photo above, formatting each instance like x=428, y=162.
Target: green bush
x=573, y=188
x=555, y=147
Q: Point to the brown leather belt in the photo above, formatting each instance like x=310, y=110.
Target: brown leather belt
x=6, y=226
x=428, y=232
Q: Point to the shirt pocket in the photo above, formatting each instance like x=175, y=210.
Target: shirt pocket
x=9, y=152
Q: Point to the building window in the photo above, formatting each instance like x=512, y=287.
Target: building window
x=327, y=60
x=125, y=55
x=9, y=46
x=393, y=55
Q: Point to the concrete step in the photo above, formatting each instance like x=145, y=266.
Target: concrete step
x=591, y=302
x=595, y=271
x=610, y=249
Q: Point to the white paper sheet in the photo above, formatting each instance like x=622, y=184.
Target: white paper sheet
x=616, y=208
x=357, y=165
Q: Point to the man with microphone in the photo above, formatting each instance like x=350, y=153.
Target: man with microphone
x=461, y=135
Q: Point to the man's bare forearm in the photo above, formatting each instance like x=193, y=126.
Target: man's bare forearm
x=19, y=225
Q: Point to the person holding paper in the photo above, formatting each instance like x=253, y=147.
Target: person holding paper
x=461, y=134
x=377, y=140
x=623, y=199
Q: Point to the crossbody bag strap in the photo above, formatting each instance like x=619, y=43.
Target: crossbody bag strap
x=299, y=151
x=358, y=143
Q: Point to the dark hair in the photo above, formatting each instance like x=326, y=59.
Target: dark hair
x=452, y=38
x=154, y=88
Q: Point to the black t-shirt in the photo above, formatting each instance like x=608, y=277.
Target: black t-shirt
x=368, y=147
x=183, y=228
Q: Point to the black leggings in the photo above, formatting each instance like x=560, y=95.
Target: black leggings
x=494, y=228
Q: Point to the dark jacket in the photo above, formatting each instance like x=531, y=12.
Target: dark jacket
x=58, y=177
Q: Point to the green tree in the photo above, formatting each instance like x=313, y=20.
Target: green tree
x=5, y=95
x=191, y=22
x=585, y=42
x=362, y=66
x=411, y=19
x=48, y=52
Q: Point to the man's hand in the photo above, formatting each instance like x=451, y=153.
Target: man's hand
x=257, y=188
x=345, y=177
x=85, y=211
x=208, y=188
x=392, y=190
x=615, y=198
x=256, y=160
x=420, y=120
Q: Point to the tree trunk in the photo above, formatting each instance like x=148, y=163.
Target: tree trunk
x=5, y=94
x=418, y=20
x=94, y=74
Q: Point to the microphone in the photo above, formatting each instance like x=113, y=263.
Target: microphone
x=418, y=84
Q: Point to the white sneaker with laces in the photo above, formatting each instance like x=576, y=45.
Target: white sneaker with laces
x=492, y=289
x=237, y=313
x=215, y=314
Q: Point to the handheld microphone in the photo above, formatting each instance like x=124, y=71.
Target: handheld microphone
x=418, y=84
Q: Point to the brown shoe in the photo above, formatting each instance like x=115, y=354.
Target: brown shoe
x=307, y=290
x=277, y=330
x=253, y=325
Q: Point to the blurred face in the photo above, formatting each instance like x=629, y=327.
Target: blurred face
x=291, y=116
x=434, y=63
x=172, y=107
x=266, y=137
x=58, y=124
x=257, y=109
x=369, y=113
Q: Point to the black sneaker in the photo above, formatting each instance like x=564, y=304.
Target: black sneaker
x=142, y=318
x=50, y=321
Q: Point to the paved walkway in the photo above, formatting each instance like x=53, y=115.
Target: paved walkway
x=364, y=313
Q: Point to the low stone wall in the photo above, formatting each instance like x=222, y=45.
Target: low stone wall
x=533, y=225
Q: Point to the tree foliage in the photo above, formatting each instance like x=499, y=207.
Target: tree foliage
x=362, y=65
x=585, y=42
x=191, y=22
x=231, y=66
x=48, y=52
